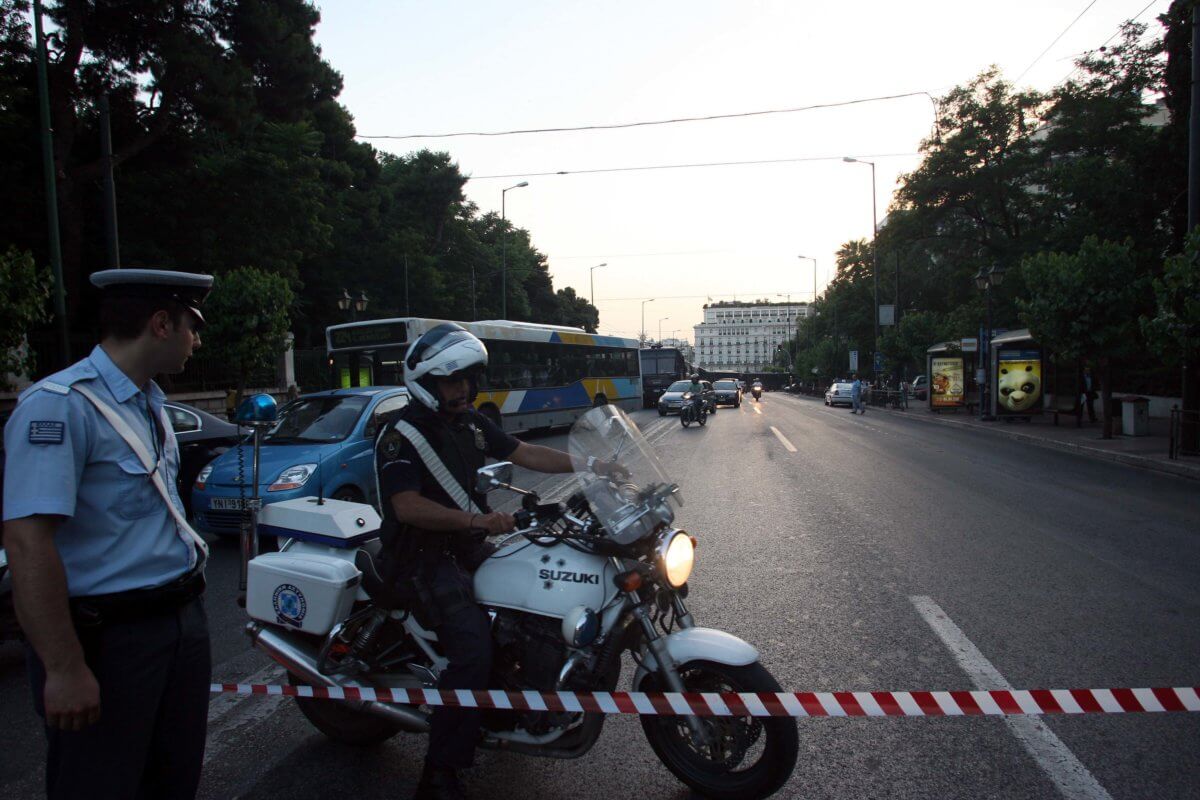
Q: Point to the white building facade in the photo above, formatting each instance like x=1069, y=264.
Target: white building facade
x=741, y=336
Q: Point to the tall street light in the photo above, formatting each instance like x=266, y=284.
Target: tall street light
x=810, y=258
x=504, y=249
x=985, y=281
x=592, y=279
x=660, y=322
x=650, y=300
x=874, y=258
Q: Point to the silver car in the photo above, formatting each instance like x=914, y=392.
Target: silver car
x=838, y=394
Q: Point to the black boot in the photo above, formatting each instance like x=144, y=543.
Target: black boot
x=439, y=783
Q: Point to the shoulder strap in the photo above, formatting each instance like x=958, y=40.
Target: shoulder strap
x=436, y=468
x=126, y=432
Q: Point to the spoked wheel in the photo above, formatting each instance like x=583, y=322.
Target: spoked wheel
x=747, y=757
x=342, y=722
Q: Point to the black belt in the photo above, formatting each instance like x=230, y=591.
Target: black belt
x=137, y=604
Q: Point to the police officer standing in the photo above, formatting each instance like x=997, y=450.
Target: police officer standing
x=443, y=522
x=106, y=575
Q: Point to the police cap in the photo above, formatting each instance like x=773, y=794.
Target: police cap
x=186, y=288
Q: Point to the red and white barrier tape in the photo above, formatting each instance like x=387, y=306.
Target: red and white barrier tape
x=770, y=704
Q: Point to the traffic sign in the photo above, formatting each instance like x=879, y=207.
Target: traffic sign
x=853, y=360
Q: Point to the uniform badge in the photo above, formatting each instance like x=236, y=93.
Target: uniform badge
x=480, y=441
x=46, y=432
x=389, y=446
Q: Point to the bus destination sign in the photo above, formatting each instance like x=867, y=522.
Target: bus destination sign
x=377, y=335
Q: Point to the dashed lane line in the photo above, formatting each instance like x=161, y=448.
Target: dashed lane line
x=1069, y=775
x=791, y=448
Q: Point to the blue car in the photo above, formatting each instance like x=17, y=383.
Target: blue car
x=323, y=443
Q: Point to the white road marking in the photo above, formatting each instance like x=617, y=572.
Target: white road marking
x=791, y=448
x=757, y=410
x=1068, y=774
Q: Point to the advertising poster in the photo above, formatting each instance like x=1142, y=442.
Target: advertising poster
x=946, y=383
x=1018, y=382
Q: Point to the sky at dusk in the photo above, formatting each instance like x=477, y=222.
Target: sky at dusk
x=683, y=234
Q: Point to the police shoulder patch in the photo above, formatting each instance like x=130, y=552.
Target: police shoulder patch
x=480, y=439
x=46, y=432
x=389, y=444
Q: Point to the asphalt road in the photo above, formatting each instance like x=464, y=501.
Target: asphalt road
x=882, y=554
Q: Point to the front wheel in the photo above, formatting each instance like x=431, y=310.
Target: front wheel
x=748, y=756
x=342, y=722
x=684, y=418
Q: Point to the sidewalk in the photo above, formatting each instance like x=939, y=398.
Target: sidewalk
x=1148, y=452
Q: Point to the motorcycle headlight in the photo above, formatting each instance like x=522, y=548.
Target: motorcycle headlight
x=675, y=555
x=687, y=395
x=293, y=478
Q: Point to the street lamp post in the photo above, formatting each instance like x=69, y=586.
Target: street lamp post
x=592, y=280
x=810, y=258
x=355, y=304
x=660, y=322
x=504, y=249
x=650, y=300
x=985, y=281
x=874, y=258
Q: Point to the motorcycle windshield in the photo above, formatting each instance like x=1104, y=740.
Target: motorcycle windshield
x=608, y=434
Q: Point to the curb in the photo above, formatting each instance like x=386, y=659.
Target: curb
x=1178, y=470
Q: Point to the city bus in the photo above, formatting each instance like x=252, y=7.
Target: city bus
x=661, y=366
x=539, y=376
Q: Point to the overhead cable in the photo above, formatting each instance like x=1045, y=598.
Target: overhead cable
x=685, y=166
x=1056, y=38
x=649, y=123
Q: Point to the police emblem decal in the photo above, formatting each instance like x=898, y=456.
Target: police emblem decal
x=480, y=441
x=290, y=605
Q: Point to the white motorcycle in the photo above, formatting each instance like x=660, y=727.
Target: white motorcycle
x=575, y=588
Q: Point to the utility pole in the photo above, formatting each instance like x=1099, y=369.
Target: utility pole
x=407, y=308
x=60, y=295
x=1190, y=433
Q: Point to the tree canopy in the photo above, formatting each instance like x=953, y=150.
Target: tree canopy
x=233, y=151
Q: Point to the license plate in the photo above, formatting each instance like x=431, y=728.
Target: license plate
x=229, y=504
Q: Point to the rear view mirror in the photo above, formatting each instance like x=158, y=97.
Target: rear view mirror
x=493, y=476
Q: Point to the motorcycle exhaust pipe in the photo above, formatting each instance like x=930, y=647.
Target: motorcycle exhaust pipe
x=304, y=667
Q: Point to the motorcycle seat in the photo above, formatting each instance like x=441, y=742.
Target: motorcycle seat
x=384, y=594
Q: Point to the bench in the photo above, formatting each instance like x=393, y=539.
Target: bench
x=1067, y=404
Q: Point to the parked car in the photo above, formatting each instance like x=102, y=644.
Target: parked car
x=727, y=393
x=919, y=387
x=672, y=399
x=202, y=437
x=324, y=443
x=839, y=394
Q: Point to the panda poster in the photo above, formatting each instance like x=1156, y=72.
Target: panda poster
x=1018, y=382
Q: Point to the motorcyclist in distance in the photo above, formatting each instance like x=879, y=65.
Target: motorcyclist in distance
x=697, y=390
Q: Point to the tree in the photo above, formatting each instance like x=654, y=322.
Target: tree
x=1174, y=329
x=248, y=320
x=24, y=293
x=1079, y=306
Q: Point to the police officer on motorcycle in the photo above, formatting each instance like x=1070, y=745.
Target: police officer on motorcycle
x=439, y=524
x=697, y=390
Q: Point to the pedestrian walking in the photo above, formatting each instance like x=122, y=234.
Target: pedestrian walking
x=856, y=403
x=106, y=572
x=1088, y=397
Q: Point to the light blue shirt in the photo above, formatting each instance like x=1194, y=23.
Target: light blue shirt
x=63, y=458
x=856, y=388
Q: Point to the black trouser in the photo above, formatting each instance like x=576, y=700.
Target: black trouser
x=154, y=677
x=464, y=637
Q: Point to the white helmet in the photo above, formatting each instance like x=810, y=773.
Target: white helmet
x=440, y=353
